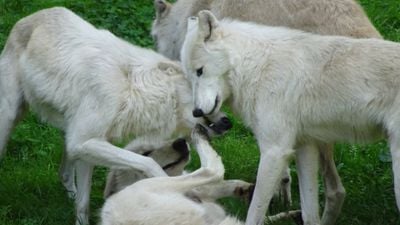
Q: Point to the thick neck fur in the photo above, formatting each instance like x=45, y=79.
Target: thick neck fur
x=249, y=60
x=153, y=104
x=145, y=104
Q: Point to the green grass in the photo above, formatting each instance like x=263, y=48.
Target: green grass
x=31, y=193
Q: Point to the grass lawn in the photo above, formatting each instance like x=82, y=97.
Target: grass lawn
x=31, y=192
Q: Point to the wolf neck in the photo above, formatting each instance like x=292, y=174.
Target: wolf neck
x=185, y=119
x=251, y=61
x=148, y=100
x=248, y=63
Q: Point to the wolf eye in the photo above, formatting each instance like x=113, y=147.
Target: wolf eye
x=199, y=72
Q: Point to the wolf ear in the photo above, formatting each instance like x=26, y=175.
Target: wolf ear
x=207, y=24
x=200, y=5
x=162, y=8
x=170, y=68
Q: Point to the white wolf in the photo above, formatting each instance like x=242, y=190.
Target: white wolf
x=327, y=17
x=295, y=90
x=95, y=87
x=172, y=156
x=186, y=199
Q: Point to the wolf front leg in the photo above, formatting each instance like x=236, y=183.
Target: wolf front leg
x=273, y=161
x=307, y=158
x=119, y=179
x=84, y=183
x=211, y=170
x=101, y=152
x=209, y=158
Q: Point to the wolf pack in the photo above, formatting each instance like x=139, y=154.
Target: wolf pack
x=300, y=74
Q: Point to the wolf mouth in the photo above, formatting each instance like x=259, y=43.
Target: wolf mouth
x=177, y=162
x=215, y=106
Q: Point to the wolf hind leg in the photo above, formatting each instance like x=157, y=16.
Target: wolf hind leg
x=67, y=175
x=225, y=188
x=334, y=190
x=394, y=139
x=11, y=102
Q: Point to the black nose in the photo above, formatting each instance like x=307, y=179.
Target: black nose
x=198, y=112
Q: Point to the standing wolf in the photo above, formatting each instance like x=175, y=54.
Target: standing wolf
x=97, y=88
x=295, y=90
x=327, y=17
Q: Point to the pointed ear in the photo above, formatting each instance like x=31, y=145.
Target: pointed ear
x=192, y=22
x=170, y=68
x=162, y=8
x=207, y=24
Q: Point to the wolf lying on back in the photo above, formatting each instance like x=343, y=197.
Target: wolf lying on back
x=172, y=156
x=295, y=90
x=327, y=17
x=118, y=179
x=186, y=199
x=95, y=87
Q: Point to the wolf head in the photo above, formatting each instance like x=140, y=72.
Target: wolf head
x=171, y=156
x=163, y=30
x=206, y=64
x=169, y=26
x=217, y=123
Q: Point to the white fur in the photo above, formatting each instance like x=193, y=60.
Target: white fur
x=168, y=155
x=97, y=88
x=182, y=200
x=296, y=90
x=327, y=17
